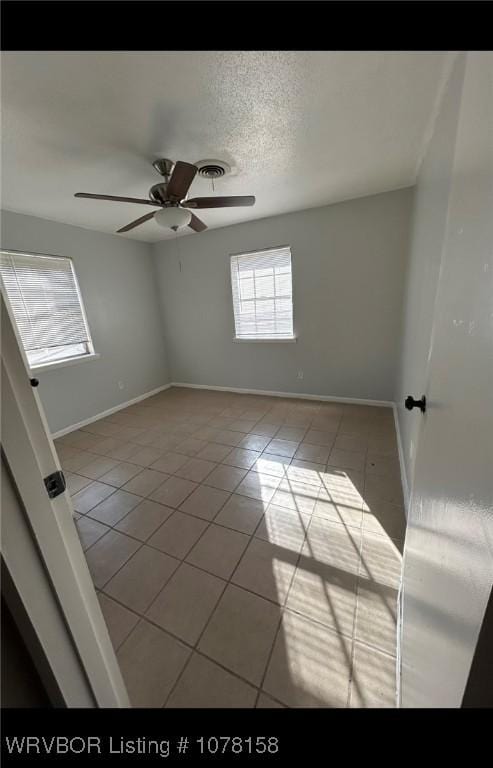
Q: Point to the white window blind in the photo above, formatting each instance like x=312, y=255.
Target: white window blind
x=47, y=307
x=262, y=294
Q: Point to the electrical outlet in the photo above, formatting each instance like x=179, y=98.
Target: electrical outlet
x=300, y=374
x=121, y=385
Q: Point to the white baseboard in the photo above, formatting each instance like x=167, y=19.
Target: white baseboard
x=296, y=395
x=402, y=465
x=102, y=415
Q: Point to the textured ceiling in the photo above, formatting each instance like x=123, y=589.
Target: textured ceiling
x=300, y=129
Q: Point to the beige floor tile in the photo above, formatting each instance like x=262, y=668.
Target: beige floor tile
x=77, y=461
x=383, y=445
x=241, y=513
x=86, y=441
x=270, y=464
x=358, y=443
x=144, y=519
x=108, y=554
x=141, y=578
x=90, y=496
x=205, y=502
x=145, y=456
x=225, y=477
x=343, y=486
x=384, y=487
x=218, y=551
x=151, y=662
x=228, y=437
x=305, y=472
x=98, y=467
x=196, y=469
x=186, y=603
x=320, y=437
x=347, y=459
x=325, y=594
x=333, y=544
x=178, y=534
x=119, y=620
x=258, y=486
x=116, y=506
x=254, y=442
x=214, y=452
x=283, y=527
x=190, y=446
x=266, y=702
x=310, y=665
x=376, y=617
x=300, y=497
x=381, y=560
x=121, y=474
x=89, y=531
x=282, y=447
x=317, y=453
x=170, y=462
x=173, y=491
x=206, y=433
x=242, y=425
x=373, y=679
x=294, y=434
x=205, y=685
x=337, y=513
x=266, y=429
x=376, y=464
x=123, y=451
x=385, y=519
x=342, y=524
x=145, y=482
x=241, y=458
x=109, y=444
x=266, y=569
x=241, y=632
x=75, y=483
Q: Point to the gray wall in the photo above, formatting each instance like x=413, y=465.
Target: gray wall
x=348, y=270
x=428, y=231
x=116, y=280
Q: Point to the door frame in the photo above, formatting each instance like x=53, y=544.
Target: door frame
x=41, y=548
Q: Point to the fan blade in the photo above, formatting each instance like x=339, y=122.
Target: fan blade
x=196, y=224
x=141, y=201
x=181, y=178
x=137, y=222
x=218, y=202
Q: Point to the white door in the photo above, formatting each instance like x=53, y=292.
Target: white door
x=448, y=557
x=41, y=549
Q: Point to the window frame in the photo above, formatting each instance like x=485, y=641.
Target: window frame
x=60, y=362
x=265, y=339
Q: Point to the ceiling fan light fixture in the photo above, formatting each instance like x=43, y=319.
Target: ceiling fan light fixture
x=173, y=218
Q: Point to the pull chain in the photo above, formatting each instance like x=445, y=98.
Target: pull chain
x=177, y=250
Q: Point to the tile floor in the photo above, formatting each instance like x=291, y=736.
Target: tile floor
x=245, y=549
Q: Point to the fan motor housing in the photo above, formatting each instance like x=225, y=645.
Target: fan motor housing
x=158, y=193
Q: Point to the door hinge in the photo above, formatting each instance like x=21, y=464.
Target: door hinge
x=55, y=484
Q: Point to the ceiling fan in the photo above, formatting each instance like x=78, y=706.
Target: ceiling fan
x=169, y=196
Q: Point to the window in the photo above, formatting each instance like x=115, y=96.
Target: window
x=47, y=307
x=262, y=294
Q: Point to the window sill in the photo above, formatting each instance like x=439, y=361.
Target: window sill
x=242, y=340
x=62, y=363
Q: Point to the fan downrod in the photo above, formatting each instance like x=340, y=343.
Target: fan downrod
x=163, y=166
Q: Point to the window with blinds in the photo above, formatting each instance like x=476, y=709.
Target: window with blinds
x=45, y=302
x=262, y=294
